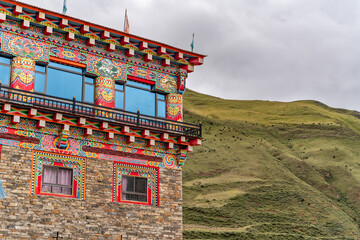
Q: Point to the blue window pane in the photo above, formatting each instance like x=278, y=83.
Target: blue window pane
x=4, y=74
x=64, y=84
x=89, y=80
x=119, y=100
x=161, y=109
x=137, y=99
x=40, y=68
x=57, y=65
x=119, y=87
x=39, y=82
x=5, y=60
x=137, y=84
x=89, y=93
x=160, y=96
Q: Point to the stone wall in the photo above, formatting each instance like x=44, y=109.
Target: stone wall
x=24, y=216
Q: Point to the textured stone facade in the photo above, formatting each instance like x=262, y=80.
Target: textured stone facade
x=27, y=216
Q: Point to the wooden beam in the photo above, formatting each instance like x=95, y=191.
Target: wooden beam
x=57, y=117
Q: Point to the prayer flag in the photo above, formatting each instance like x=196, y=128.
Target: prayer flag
x=126, y=23
x=64, y=7
x=192, y=43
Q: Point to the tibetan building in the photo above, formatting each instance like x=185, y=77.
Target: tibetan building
x=91, y=129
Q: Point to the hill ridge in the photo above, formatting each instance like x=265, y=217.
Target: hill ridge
x=272, y=170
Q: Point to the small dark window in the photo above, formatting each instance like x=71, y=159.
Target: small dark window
x=57, y=180
x=134, y=189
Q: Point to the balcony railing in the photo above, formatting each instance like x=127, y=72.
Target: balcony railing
x=113, y=115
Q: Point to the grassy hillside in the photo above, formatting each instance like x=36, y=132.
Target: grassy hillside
x=272, y=170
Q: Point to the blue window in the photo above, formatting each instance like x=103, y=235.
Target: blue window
x=40, y=78
x=89, y=90
x=119, y=95
x=140, y=99
x=5, y=65
x=160, y=107
x=64, y=81
x=139, y=96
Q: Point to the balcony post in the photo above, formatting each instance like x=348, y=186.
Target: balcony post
x=174, y=110
x=74, y=104
x=105, y=92
x=138, y=118
x=22, y=73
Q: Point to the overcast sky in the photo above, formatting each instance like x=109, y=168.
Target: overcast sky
x=279, y=50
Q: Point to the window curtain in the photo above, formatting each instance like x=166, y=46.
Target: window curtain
x=124, y=196
x=2, y=192
x=49, y=175
x=65, y=178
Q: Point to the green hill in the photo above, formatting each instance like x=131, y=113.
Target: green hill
x=272, y=170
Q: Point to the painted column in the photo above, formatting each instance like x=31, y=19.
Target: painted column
x=23, y=73
x=105, y=92
x=174, y=109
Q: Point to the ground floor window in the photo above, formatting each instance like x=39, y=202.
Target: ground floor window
x=134, y=188
x=58, y=175
x=57, y=180
x=135, y=184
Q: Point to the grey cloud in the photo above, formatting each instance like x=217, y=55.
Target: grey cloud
x=257, y=49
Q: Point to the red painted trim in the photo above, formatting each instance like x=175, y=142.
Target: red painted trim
x=141, y=80
x=114, y=182
x=32, y=172
x=84, y=177
x=118, y=197
x=158, y=193
x=133, y=202
x=134, y=164
x=56, y=195
x=67, y=62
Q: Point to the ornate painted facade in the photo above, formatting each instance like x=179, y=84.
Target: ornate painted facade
x=93, y=151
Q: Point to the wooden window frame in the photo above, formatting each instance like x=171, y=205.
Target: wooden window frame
x=57, y=185
x=83, y=74
x=134, y=192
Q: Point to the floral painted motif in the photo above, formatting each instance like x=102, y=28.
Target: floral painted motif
x=68, y=54
x=25, y=47
x=105, y=67
x=166, y=83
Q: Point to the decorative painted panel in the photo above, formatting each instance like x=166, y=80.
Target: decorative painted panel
x=105, y=92
x=105, y=67
x=166, y=83
x=78, y=165
x=23, y=73
x=68, y=54
x=140, y=72
x=174, y=107
x=151, y=173
x=25, y=47
x=182, y=75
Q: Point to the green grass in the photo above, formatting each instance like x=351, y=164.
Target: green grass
x=272, y=170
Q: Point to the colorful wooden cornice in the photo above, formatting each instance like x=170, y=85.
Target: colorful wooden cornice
x=52, y=22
